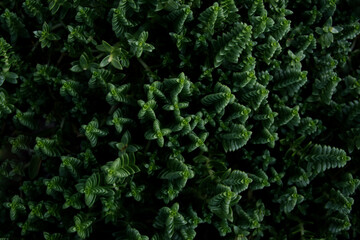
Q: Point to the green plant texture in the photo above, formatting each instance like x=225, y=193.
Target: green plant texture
x=179, y=119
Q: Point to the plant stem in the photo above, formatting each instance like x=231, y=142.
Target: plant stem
x=302, y=232
x=147, y=146
x=147, y=68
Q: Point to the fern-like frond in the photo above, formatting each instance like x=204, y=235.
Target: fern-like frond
x=321, y=158
x=231, y=44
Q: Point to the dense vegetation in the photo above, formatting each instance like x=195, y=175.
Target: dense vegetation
x=179, y=119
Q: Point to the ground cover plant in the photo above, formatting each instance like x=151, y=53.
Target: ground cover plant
x=179, y=119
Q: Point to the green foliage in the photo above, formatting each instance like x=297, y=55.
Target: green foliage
x=170, y=220
x=221, y=203
x=54, y=236
x=210, y=18
x=71, y=164
x=178, y=173
x=55, y=184
x=19, y=143
x=231, y=44
x=147, y=109
x=139, y=45
x=92, y=131
x=133, y=233
x=122, y=167
x=117, y=56
x=119, y=18
x=220, y=99
x=119, y=121
x=91, y=188
x=14, y=25
x=26, y=119
x=48, y=147
x=321, y=158
x=84, y=63
x=157, y=133
x=116, y=95
x=45, y=37
x=238, y=181
x=5, y=107
x=86, y=15
x=8, y=60
x=82, y=225
x=35, y=8
x=235, y=138
x=179, y=119
x=16, y=207
x=289, y=200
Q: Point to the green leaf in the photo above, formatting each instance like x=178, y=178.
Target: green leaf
x=83, y=225
x=92, y=131
x=122, y=167
x=48, y=147
x=221, y=204
x=116, y=64
x=106, y=60
x=10, y=77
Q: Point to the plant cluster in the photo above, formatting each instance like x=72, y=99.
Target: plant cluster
x=179, y=119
